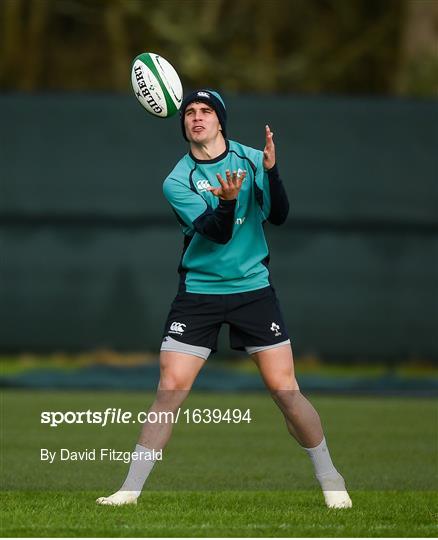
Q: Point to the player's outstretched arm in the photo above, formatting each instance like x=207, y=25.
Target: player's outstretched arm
x=217, y=225
x=279, y=201
x=192, y=210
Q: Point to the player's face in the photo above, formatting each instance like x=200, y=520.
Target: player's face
x=201, y=123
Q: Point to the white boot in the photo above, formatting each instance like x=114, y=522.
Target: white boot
x=335, y=492
x=119, y=498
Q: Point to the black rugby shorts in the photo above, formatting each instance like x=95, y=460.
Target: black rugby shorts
x=254, y=319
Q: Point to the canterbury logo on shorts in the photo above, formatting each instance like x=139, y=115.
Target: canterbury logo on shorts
x=177, y=328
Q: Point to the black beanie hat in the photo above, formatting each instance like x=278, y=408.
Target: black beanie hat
x=213, y=99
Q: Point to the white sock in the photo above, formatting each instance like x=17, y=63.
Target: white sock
x=139, y=470
x=322, y=462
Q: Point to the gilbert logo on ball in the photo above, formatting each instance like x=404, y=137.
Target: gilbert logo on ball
x=156, y=84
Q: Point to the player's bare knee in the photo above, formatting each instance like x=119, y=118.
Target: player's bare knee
x=174, y=383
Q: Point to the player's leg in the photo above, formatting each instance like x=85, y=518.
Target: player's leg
x=277, y=370
x=190, y=334
x=178, y=371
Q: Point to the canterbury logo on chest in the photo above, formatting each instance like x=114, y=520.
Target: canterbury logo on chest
x=202, y=185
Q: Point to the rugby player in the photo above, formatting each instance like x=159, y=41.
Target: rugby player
x=222, y=194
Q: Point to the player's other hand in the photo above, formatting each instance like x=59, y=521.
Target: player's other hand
x=269, y=150
x=229, y=188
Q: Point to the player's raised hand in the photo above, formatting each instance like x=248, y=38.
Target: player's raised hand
x=229, y=188
x=269, y=150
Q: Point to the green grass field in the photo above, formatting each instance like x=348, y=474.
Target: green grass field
x=224, y=479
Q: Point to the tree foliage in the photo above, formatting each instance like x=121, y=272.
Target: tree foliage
x=301, y=46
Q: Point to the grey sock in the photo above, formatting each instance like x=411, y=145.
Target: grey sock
x=139, y=470
x=322, y=462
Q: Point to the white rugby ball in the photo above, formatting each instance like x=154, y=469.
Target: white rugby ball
x=156, y=84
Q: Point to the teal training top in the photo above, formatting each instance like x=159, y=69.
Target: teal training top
x=225, y=249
